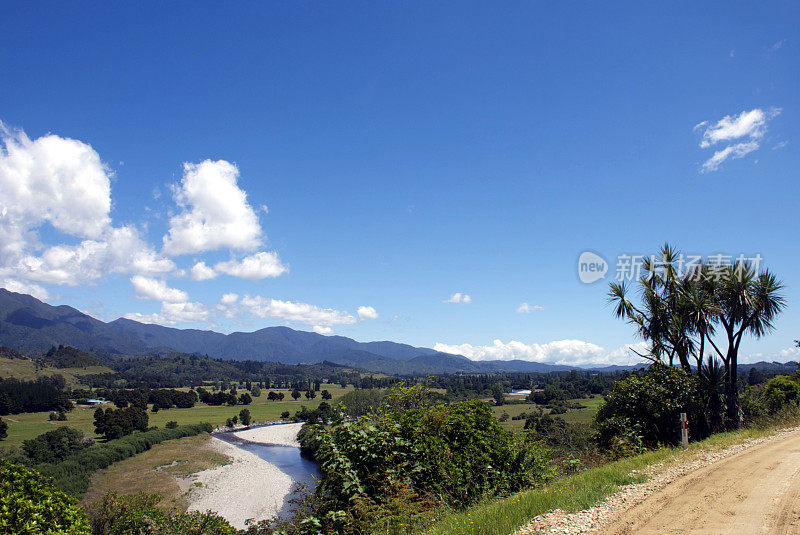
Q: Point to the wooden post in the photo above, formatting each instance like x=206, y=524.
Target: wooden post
x=684, y=431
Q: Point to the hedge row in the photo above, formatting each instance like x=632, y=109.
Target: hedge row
x=72, y=474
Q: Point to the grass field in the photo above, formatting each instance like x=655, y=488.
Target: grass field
x=26, y=369
x=583, y=416
x=152, y=471
x=29, y=425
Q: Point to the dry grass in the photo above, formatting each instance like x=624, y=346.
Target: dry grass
x=156, y=470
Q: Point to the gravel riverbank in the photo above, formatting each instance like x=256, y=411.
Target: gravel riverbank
x=248, y=487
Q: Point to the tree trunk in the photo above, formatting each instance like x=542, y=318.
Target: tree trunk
x=732, y=390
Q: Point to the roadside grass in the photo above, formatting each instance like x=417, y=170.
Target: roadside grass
x=503, y=516
x=29, y=425
x=152, y=471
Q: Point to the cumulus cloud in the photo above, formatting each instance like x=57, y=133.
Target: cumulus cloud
x=25, y=288
x=53, y=180
x=62, y=182
x=264, y=307
x=565, y=352
x=119, y=251
x=157, y=290
x=173, y=313
x=367, y=313
x=258, y=266
x=201, y=272
x=746, y=129
x=525, y=308
x=459, y=298
x=215, y=213
x=319, y=329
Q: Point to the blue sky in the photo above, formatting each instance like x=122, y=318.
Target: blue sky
x=319, y=157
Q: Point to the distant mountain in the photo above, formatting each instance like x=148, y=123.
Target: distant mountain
x=33, y=327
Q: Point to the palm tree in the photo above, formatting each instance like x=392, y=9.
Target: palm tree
x=748, y=304
x=680, y=314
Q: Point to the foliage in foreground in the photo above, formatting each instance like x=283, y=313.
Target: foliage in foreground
x=385, y=469
x=30, y=505
x=138, y=514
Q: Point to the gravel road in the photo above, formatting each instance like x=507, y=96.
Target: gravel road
x=750, y=488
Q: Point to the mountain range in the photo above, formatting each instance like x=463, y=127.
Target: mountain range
x=30, y=325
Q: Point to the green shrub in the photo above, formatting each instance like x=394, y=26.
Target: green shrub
x=779, y=392
x=645, y=410
x=138, y=514
x=55, y=446
x=172, y=424
x=29, y=505
x=385, y=468
x=3, y=429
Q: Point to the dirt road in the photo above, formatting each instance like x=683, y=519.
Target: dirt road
x=756, y=491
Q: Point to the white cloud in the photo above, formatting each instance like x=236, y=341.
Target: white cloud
x=173, y=313
x=305, y=313
x=459, y=298
x=525, y=308
x=367, y=313
x=229, y=299
x=229, y=305
x=25, y=288
x=322, y=330
x=215, y=212
x=157, y=290
x=53, y=180
x=780, y=145
x=733, y=151
x=62, y=182
x=201, y=272
x=118, y=251
x=258, y=266
x=565, y=352
x=747, y=128
x=187, y=312
x=752, y=124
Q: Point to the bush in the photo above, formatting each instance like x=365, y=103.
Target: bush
x=3, y=429
x=779, y=392
x=115, y=423
x=30, y=505
x=72, y=474
x=172, y=424
x=409, y=457
x=244, y=417
x=55, y=446
x=138, y=514
x=645, y=410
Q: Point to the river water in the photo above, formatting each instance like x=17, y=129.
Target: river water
x=288, y=459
